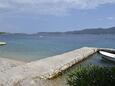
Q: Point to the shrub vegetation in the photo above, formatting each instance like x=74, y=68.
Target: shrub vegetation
x=92, y=76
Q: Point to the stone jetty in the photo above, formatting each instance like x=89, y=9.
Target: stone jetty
x=41, y=72
x=45, y=69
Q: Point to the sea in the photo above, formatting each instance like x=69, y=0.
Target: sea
x=35, y=47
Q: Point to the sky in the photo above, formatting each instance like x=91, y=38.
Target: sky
x=31, y=16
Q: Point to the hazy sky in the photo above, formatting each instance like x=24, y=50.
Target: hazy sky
x=32, y=16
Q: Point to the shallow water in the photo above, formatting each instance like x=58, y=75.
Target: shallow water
x=35, y=47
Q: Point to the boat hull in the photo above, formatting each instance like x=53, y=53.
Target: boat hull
x=108, y=56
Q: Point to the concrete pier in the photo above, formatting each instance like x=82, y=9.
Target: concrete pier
x=36, y=73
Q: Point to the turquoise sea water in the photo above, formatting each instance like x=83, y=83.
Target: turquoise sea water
x=34, y=47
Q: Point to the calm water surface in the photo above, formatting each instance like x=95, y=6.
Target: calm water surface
x=34, y=47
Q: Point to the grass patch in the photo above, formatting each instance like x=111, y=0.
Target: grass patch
x=92, y=76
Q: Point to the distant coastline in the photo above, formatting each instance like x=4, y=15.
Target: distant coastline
x=2, y=33
x=110, y=30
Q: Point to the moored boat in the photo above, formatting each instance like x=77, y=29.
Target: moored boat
x=2, y=43
x=108, y=55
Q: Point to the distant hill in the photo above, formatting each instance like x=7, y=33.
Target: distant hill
x=110, y=30
x=94, y=31
x=2, y=33
x=85, y=31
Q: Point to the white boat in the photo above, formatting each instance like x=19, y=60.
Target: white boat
x=2, y=43
x=108, y=55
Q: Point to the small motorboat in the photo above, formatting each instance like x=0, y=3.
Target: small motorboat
x=108, y=55
x=2, y=43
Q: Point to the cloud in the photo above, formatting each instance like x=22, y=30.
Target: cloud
x=51, y=7
x=110, y=18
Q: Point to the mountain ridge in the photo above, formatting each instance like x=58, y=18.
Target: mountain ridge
x=110, y=30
